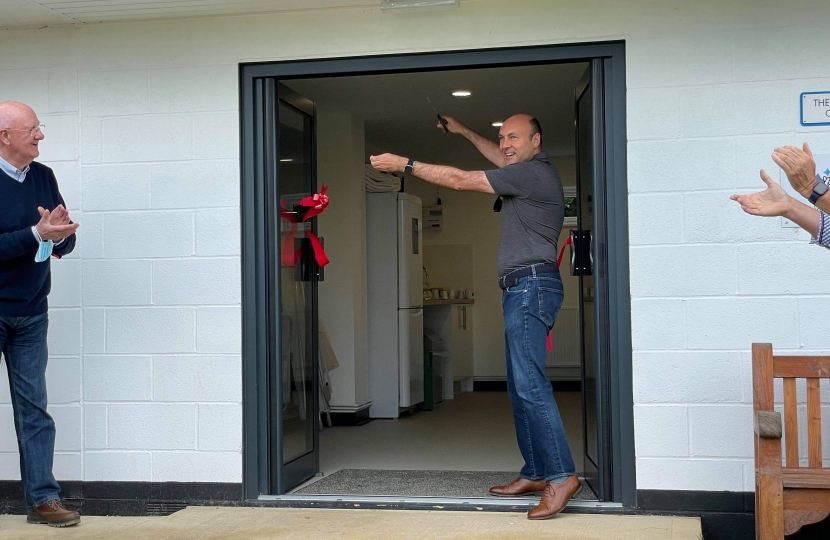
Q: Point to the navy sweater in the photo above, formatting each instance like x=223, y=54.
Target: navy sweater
x=25, y=284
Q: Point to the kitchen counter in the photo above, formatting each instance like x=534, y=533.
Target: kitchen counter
x=447, y=302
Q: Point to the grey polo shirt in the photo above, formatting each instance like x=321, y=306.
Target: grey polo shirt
x=532, y=212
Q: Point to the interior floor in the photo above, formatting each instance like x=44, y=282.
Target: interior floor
x=473, y=432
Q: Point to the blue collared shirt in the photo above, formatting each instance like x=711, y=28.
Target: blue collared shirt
x=13, y=171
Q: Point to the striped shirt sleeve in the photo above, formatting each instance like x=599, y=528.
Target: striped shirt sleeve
x=823, y=237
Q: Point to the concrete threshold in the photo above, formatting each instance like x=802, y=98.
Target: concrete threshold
x=224, y=523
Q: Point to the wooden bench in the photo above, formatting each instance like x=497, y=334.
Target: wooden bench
x=788, y=496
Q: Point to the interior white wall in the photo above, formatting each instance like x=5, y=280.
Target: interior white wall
x=342, y=298
x=142, y=127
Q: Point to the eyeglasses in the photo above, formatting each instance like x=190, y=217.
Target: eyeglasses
x=30, y=131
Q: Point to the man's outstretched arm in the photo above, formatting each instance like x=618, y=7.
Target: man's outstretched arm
x=440, y=175
x=489, y=149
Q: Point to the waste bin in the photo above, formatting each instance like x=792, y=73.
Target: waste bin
x=433, y=380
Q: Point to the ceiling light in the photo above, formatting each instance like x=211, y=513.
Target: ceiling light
x=498, y=124
x=420, y=5
x=287, y=160
x=462, y=93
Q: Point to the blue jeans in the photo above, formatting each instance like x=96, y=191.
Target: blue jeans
x=23, y=342
x=530, y=308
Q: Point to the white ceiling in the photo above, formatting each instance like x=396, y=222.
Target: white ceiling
x=35, y=13
x=399, y=119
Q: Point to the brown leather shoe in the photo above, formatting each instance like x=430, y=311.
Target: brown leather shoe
x=518, y=487
x=53, y=514
x=554, y=499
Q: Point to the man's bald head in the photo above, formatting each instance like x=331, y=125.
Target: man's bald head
x=19, y=133
x=12, y=113
x=520, y=138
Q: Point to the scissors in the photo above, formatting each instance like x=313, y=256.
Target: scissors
x=440, y=118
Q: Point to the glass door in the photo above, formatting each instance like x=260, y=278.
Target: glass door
x=293, y=377
x=589, y=255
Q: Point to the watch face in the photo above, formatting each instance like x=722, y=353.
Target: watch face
x=821, y=188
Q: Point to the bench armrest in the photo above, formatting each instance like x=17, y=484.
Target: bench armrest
x=768, y=424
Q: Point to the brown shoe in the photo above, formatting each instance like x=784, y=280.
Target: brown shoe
x=518, y=487
x=554, y=499
x=53, y=514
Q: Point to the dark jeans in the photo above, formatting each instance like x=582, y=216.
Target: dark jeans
x=23, y=342
x=530, y=308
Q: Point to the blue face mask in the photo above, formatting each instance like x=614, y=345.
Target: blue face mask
x=44, y=251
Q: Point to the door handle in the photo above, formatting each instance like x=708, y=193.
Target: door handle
x=573, y=252
x=464, y=312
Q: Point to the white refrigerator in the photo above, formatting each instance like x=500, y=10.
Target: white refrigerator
x=395, y=303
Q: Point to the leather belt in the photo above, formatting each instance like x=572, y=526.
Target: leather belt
x=512, y=279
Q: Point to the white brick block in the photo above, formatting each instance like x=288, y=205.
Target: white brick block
x=63, y=89
x=61, y=138
x=681, y=165
x=5, y=395
x=197, y=467
x=679, y=60
x=653, y=113
x=116, y=187
x=662, y=431
x=91, y=142
x=95, y=330
x=29, y=86
x=163, y=234
x=783, y=269
x=193, y=89
x=152, y=425
x=114, y=93
x=764, y=55
x=8, y=436
x=644, y=210
x=721, y=430
x=68, y=466
x=736, y=323
x=66, y=283
x=658, y=324
x=68, y=174
x=197, y=378
x=687, y=377
x=93, y=236
x=64, y=336
x=749, y=475
x=117, y=283
x=220, y=427
x=690, y=474
x=218, y=232
x=195, y=184
x=63, y=380
x=41, y=47
x=713, y=217
x=811, y=313
x=147, y=138
x=733, y=110
x=675, y=271
x=69, y=436
x=117, y=378
x=196, y=281
x=151, y=330
x=118, y=467
x=219, y=330
x=95, y=426
x=10, y=466
x=216, y=136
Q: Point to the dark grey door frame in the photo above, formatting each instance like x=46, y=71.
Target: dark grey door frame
x=254, y=209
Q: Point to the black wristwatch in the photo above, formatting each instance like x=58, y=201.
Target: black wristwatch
x=410, y=166
x=819, y=190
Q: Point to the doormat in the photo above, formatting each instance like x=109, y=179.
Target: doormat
x=451, y=484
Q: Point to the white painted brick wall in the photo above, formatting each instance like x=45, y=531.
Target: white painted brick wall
x=143, y=133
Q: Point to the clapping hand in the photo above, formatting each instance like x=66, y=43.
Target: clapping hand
x=800, y=167
x=55, y=225
x=773, y=201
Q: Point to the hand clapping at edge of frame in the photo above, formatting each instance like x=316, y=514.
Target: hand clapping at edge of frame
x=55, y=225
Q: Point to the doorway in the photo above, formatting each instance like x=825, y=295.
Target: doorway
x=273, y=419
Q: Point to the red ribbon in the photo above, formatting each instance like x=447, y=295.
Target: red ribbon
x=316, y=204
x=558, y=263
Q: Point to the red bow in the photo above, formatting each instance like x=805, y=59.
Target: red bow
x=316, y=204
